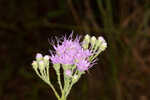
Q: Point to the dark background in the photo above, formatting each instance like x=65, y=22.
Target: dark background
x=122, y=71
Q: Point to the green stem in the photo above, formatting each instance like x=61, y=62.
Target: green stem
x=93, y=57
x=59, y=81
x=69, y=89
x=62, y=99
x=50, y=84
x=73, y=82
x=66, y=79
x=57, y=69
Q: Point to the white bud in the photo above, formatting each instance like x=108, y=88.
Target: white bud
x=39, y=56
x=101, y=39
x=41, y=65
x=93, y=40
x=103, y=46
x=101, y=43
x=75, y=77
x=86, y=42
x=46, y=57
x=46, y=60
x=87, y=37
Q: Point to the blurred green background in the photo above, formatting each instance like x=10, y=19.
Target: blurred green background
x=122, y=71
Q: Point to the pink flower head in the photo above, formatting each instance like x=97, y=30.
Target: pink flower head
x=68, y=72
x=39, y=56
x=83, y=65
x=71, y=52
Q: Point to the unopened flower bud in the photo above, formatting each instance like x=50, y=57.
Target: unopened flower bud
x=68, y=73
x=46, y=60
x=41, y=65
x=99, y=42
x=103, y=46
x=34, y=64
x=75, y=78
x=46, y=57
x=101, y=39
x=87, y=37
x=86, y=42
x=93, y=40
x=39, y=56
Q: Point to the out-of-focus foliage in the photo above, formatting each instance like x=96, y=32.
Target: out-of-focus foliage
x=123, y=74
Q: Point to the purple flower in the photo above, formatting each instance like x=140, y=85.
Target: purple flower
x=71, y=52
x=83, y=65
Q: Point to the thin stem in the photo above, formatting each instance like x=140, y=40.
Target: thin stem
x=63, y=98
x=57, y=69
x=93, y=57
x=72, y=83
x=50, y=84
x=59, y=81
x=69, y=89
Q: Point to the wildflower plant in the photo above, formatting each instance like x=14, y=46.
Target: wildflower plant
x=74, y=57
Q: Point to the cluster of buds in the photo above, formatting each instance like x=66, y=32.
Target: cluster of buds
x=96, y=46
x=74, y=57
x=41, y=67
